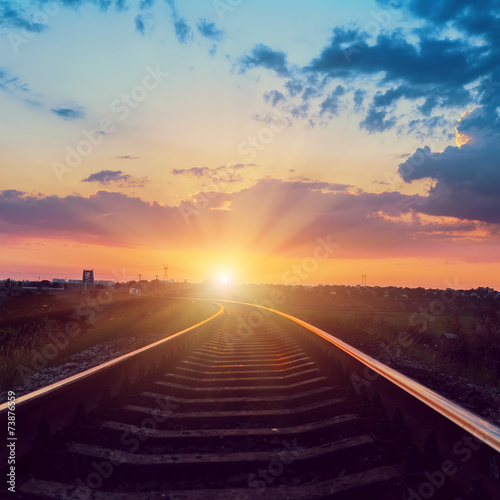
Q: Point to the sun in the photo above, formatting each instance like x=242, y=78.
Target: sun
x=223, y=278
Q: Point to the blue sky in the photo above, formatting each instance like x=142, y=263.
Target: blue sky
x=386, y=109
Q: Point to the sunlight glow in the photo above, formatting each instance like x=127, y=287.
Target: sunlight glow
x=462, y=139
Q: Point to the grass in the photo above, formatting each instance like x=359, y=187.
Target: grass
x=475, y=357
x=62, y=327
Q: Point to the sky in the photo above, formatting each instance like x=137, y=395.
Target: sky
x=266, y=141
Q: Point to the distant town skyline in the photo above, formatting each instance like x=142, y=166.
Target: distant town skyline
x=282, y=142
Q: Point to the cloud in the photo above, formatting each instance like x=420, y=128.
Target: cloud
x=146, y=4
x=272, y=216
x=193, y=171
x=13, y=85
x=467, y=176
x=69, y=113
x=264, y=56
x=139, y=24
x=377, y=121
x=8, y=194
x=476, y=18
x=106, y=177
x=12, y=15
x=359, y=97
x=209, y=30
x=431, y=61
x=302, y=182
x=183, y=31
x=294, y=87
x=127, y=157
x=121, y=5
x=275, y=96
x=217, y=175
x=331, y=105
x=423, y=74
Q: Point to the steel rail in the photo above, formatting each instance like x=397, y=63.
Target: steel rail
x=486, y=432
x=40, y=393
x=57, y=402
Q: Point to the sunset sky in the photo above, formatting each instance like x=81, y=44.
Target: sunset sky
x=267, y=140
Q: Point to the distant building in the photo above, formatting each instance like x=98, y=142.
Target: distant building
x=59, y=280
x=105, y=282
x=75, y=282
x=134, y=291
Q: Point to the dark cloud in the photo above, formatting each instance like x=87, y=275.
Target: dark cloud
x=139, y=24
x=478, y=18
x=310, y=92
x=121, y=5
x=146, y=4
x=275, y=96
x=448, y=63
x=12, y=15
x=183, y=31
x=209, y=30
x=294, y=87
x=377, y=121
x=69, y=113
x=265, y=57
x=359, y=97
x=127, y=157
x=301, y=111
x=430, y=68
x=467, y=177
x=425, y=127
x=7, y=194
x=106, y=177
x=331, y=105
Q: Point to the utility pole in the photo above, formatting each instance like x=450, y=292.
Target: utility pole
x=140, y=276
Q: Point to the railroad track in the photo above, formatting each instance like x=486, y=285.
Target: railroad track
x=250, y=405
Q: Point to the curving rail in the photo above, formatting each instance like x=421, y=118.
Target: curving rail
x=424, y=410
